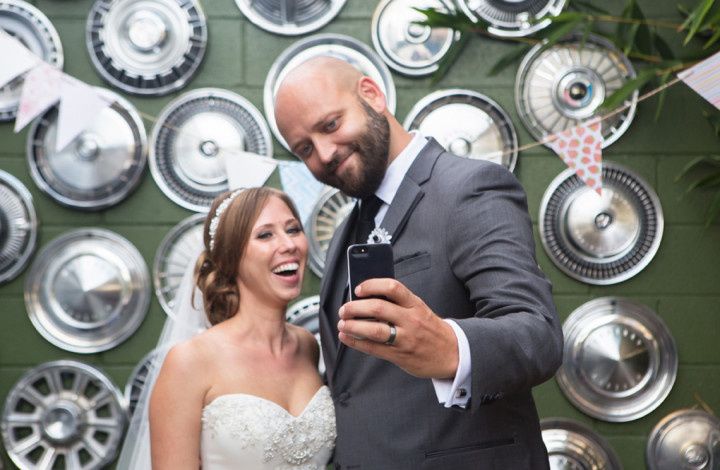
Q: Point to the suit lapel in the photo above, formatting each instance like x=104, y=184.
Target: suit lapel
x=410, y=191
x=406, y=199
x=332, y=289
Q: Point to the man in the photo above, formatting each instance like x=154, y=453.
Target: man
x=442, y=379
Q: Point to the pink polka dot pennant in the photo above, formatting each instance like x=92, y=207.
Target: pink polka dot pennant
x=581, y=150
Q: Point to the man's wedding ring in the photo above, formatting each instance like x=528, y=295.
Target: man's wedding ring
x=393, y=335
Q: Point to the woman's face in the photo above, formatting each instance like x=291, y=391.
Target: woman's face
x=271, y=269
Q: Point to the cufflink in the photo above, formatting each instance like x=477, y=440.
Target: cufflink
x=460, y=393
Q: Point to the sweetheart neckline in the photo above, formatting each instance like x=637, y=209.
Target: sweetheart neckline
x=266, y=400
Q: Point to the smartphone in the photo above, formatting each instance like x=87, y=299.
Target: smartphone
x=368, y=261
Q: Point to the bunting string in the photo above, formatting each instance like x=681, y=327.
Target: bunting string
x=683, y=75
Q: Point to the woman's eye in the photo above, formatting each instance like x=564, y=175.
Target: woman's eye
x=264, y=235
x=295, y=229
x=331, y=126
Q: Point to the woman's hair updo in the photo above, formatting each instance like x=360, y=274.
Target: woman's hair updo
x=217, y=267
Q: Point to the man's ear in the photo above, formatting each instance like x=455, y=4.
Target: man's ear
x=371, y=92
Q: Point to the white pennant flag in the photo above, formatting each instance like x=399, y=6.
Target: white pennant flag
x=79, y=106
x=581, y=149
x=301, y=186
x=704, y=78
x=16, y=58
x=41, y=89
x=247, y=169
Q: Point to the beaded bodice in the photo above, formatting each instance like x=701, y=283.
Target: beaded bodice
x=246, y=431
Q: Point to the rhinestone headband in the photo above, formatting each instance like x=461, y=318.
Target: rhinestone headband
x=218, y=213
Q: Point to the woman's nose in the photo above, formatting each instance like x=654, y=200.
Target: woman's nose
x=287, y=243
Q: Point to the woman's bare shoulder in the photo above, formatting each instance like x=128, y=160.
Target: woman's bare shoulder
x=308, y=344
x=192, y=354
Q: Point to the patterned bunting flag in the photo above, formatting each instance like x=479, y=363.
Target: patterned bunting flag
x=581, y=149
x=301, y=186
x=704, y=78
x=41, y=89
x=247, y=169
x=79, y=106
x=16, y=58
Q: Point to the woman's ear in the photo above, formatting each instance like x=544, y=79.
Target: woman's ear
x=373, y=95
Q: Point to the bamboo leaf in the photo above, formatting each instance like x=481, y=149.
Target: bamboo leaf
x=623, y=32
x=714, y=120
x=662, y=47
x=455, y=20
x=450, y=57
x=508, y=59
x=713, y=210
x=588, y=6
x=630, y=39
x=695, y=20
x=622, y=93
x=664, y=78
x=561, y=26
x=713, y=39
x=696, y=163
x=645, y=36
x=709, y=181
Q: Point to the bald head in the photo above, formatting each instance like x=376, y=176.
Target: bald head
x=320, y=72
x=326, y=110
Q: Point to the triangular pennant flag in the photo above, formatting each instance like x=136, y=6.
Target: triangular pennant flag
x=17, y=59
x=41, y=89
x=301, y=186
x=704, y=78
x=581, y=149
x=79, y=106
x=247, y=169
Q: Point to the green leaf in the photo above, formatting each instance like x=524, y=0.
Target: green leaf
x=662, y=47
x=645, y=36
x=713, y=210
x=713, y=39
x=450, y=57
x=708, y=181
x=713, y=161
x=588, y=6
x=624, y=34
x=714, y=120
x=664, y=78
x=695, y=20
x=711, y=30
x=561, y=26
x=508, y=59
x=455, y=20
x=622, y=93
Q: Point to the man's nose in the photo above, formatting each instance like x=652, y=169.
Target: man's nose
x=326, y=150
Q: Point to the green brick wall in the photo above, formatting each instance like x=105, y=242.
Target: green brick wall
x=682, y=284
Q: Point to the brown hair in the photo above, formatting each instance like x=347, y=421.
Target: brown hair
x=216, y=270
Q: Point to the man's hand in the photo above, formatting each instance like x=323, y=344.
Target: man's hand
x=425, y=345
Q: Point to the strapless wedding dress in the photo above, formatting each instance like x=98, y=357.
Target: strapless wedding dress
x=241, y=431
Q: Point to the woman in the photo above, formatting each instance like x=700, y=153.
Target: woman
x=245, y=393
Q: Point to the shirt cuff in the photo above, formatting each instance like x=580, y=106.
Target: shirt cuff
x=456, y=392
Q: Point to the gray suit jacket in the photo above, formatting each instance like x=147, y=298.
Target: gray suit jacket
x=463, y=242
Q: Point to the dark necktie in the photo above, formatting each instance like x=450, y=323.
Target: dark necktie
x=369, y=207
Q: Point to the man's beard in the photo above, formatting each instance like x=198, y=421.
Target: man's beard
x=372, y=148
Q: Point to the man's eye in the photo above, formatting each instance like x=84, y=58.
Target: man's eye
x=304, y=151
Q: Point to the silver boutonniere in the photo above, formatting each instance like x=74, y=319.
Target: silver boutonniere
x=379, y=235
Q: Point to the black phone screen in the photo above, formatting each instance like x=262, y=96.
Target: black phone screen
x=369, y=261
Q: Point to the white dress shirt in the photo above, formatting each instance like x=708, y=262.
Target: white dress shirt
x=450, y=392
